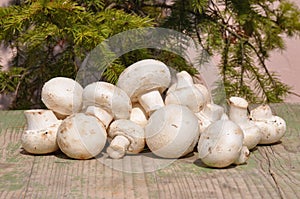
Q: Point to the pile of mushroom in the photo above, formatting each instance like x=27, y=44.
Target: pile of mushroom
x=145, y=109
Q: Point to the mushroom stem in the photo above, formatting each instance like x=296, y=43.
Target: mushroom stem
x=118, y=146
x=238, y=114
x=100, y=114
x=244, y=156
x=184, y=80
x=151, y=101
x=238, y=110
x=138, y=115
x=39, y=119
x=213, y=112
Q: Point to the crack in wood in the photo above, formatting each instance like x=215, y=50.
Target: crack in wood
x=29, y=178
x=273, y=175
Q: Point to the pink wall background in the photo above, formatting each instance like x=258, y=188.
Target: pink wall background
x=287, y=64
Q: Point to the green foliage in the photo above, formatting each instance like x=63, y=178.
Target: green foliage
x=52, y=38
x=9, y=80
x=244, y=33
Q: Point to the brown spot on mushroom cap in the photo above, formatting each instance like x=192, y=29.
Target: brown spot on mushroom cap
x=59, y=92
x=63, y=144
x=174, y=125
x=77, y=141
x=46, y=134
x=65, y=126
x=109, y=98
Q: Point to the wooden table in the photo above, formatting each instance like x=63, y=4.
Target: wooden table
x=271, y=172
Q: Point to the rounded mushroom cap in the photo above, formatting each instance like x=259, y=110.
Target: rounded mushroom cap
x=144, y=76
x=62, y=95
x=184, y=90
x=132, y=131
x=271, y=130
x=261, y=113
x=81, y=136
x=183, y=96
x=108, y=97
x=220, y=143
x=40, y=141
x=171, y=131
x=252, y=134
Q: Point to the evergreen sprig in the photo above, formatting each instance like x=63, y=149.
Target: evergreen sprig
x=51, y=38
x=244, y=33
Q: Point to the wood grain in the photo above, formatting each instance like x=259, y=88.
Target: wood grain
x=273, y=171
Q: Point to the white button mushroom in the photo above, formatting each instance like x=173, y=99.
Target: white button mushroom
x=127, y=137
x=221, y=144
x=172, y=131
x=138, y=115
x=81, y=136
x=272, y=127
x=144, y=81
x=186, y=93
x=40, y=136
x=106, y=102
x=210, y=113
x=62, y=95
x=238, y=113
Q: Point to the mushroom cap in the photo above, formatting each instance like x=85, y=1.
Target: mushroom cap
x=271, y=130
x=252, y=134
x=108, y=97
x=172, y=131
x=220, y=144
x=38, y=119
x=183, y=96
x=144, y=76
x=81, y=136
x=62, y=95
x=132, y=131
x=184, y=90
x=41, y=141
x=261, y=113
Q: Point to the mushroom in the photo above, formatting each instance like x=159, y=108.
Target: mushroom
x=184, y=90
x=127, y=137
x=106, y=102
x=221, y=144
x=63, y=96
x=138, y=115
x=238, y=113
x=144, y=81
x=81, y=136
x=272, y=127
x=172, y=131
x=40, y=136
x=210, y=113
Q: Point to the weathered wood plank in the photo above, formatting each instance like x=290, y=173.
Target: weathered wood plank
x=272, y=171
